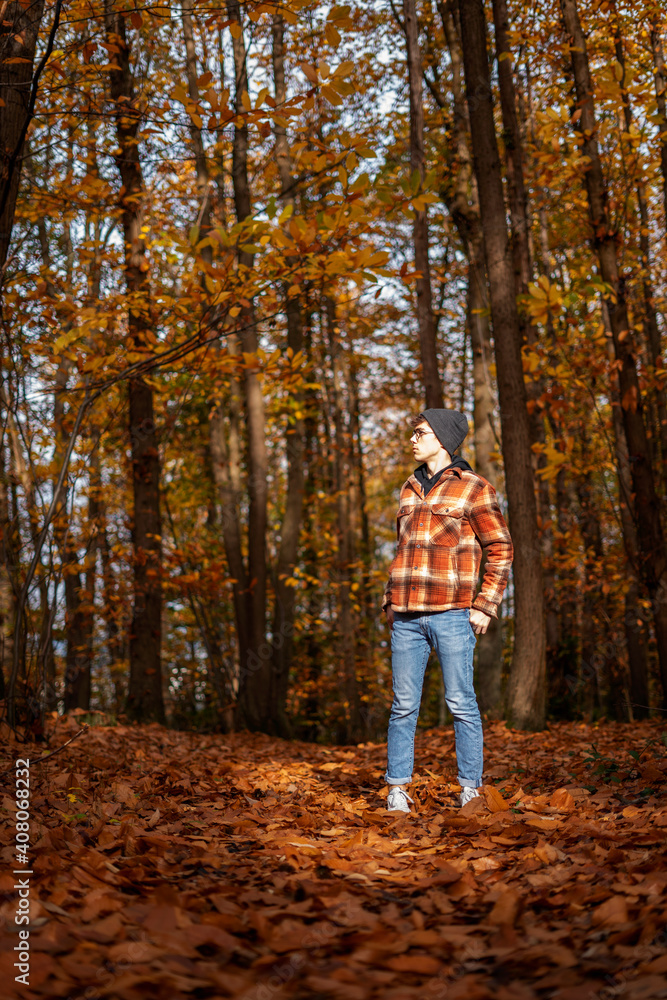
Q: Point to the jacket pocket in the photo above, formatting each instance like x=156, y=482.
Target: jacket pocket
x=403, y=519
x=446, y=524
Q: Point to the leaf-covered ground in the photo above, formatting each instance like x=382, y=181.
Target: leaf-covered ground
x=174, y=865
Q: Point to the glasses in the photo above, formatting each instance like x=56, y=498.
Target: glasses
x=418, y=435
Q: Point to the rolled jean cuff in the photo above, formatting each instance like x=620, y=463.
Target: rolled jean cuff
x=397, y=781
x=469, y=782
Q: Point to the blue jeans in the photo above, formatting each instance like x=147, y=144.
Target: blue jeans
x=451, y=635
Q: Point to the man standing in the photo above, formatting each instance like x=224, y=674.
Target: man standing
x=447, y=515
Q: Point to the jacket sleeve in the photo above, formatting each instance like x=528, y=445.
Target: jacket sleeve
x=489, y=525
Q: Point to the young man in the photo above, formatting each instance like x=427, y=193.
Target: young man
x=447, y=515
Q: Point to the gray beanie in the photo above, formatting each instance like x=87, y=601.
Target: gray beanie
x=449, y=426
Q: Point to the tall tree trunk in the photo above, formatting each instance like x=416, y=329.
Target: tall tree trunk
x=653, y=337
x=77, y=682
x=221, y=676
x=9, y=568
x=254, y=707
x=77, y=664
x=425, y=317
x=18, y=40
x=20, y=471
x=660, y=77
x=490, y=645
x=516, y=189
x=285, y=595
x=144, y=697
x=463, y=206
x=651, y=542
x=344, y=555
x=312, y=640
x=520, y=231
x=636, y=639
x=112, y=601
x=201, y=166
x=527, y=687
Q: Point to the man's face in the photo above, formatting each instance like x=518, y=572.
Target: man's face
x=425, y=445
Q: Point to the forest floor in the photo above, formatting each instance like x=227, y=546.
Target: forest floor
x=168, y=864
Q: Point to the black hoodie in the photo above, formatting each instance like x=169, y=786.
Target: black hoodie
x=421, y=473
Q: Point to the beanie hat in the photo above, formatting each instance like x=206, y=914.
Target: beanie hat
x=449, y=426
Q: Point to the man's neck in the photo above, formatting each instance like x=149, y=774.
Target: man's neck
x=439, y=463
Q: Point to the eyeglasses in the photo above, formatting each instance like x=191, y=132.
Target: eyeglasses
x=418, y=435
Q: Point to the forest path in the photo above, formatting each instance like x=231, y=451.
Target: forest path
x=169, y=864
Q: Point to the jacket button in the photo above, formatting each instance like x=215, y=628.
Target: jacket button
x=421, y=524
x=414, y=588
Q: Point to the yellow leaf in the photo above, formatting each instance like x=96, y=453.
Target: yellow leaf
x=245, y=101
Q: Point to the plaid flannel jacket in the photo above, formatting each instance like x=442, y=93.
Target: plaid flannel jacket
x=440, y=542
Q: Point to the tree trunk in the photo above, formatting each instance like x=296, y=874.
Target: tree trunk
x=527, y=688
x=660, y=78
x=254, y=705
x=517, y=197
x=77, y=684
x=463, y=206
x=18, y=41
x=490, y=645
x=345, y=555
x=201, y=166
x=636, y=639
x=285, y=595
x=19, y=471
x=9, y=566
x=653, y=337
x=144, y=697
x=651, y=543
x=425, y=317
x=520, y=232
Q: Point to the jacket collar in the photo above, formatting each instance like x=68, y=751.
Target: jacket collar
x=417, y=486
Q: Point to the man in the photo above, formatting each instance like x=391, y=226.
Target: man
x=447, y=515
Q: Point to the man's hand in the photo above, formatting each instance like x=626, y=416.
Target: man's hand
x=479, y=621
x=390, y=616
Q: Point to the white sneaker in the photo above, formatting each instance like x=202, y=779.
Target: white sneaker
x=468, y=794
x=397, y=800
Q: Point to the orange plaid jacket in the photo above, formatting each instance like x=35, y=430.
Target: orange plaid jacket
x=440, y=542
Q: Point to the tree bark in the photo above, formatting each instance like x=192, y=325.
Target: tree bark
x=285, y=595
x=18, y=40
x=144, y=697
x=660, y=78
x=253, y=705
x=425, y=317
x=636, y=639
x=527, y=687
x=344, y=555
x=463, y=204
x=653, y=337
x=652, y=554
x=516, y=189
